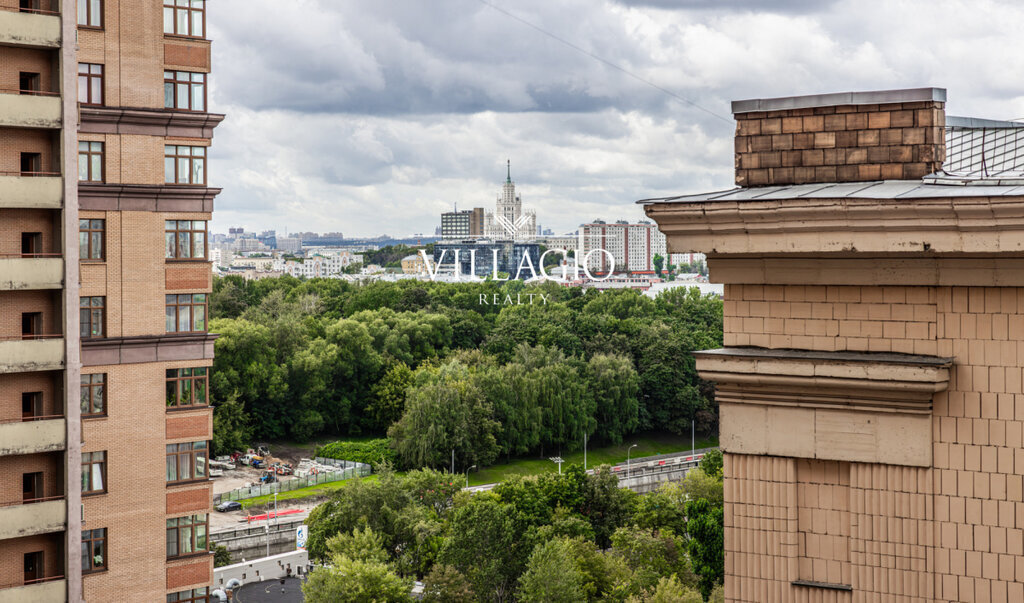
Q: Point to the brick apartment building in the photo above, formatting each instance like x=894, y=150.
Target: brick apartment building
x=104, y=277
x=870, y=385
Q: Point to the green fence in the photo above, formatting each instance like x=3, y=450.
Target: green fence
x=349, y=471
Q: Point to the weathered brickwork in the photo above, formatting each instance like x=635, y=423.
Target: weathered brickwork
x=183, y=501
x=13, y=385
x=13, y=304
x=846, y=143
x=15, y=141
x=15, y=222
x=12, y=557
x=14, y=61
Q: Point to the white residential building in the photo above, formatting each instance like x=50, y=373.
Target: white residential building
x=633, y=246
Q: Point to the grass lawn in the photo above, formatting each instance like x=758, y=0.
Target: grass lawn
x=647, y=444
x=309, y=492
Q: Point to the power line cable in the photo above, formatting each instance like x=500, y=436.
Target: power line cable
x=606, y=62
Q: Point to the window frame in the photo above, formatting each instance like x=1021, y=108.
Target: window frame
x=88, y=76
x=89, y=153
x=88, y=4
x=176, y=527
x=191, y=596
x=177, y=304
x=96, y=382
x=173, y=153
x=196, y=383
x=191, y=460
x=97, y=461
x=92, y=226
x=88, y=538
x=174, y=8
x=87, y=318
x=173, y=84
x=173, y=238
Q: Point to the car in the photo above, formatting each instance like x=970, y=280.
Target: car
x=229, y=505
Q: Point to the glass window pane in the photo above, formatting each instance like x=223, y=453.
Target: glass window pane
x=182, y=24
x=200, y=464
x=172, y=395
x=95, y=14
x=183, y=169
x=97, y=168
x=97, y=323
x=169, y=244
x=168, y=169
x=199, y=322
x=172, y=543
x=184, y=466
x=198, y=97
x=168, y=20
x=184, y=319
x=97, y=399
x=172, y=468
x=182, y=93
x=168, y=95
x=200, y=537
x=185, y=538
x=197, y=23
x=85, y=545
x=96, y=90
x=83, y=317
x=97, y=476
x=83, y=166
x=82, y=8
x=200, y=391
x=198, y=169
x=170, y=320
x=199, y=298
x=184, y=249
x=83, y=244
x=97, y=224
x=97, y=246
x=186, y=392
x=199, y=245
x=83, y=89
x=85, y=400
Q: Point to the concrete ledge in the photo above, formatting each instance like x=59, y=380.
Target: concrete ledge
x=872, y=97
x=29, y=29
x=36, y=518
x=27, y=355
x=30, y=437
x=30, y=111
x=147, y=348
x=31, y=273
x=42, y=592
x=35, y=192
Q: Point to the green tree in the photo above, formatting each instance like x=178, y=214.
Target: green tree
x=711, y=464
x=614, y=386
x=483, y=544
x=231, y=429
x=221, y=555
x=387, y=402
x=349, y=580
x=705, y=527
x=652, y=555
x=552, y=575
x=669, y=590
x=360, y=543
x=445, y=584
x=658, y=261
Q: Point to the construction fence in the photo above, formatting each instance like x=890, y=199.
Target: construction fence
x=336, y=471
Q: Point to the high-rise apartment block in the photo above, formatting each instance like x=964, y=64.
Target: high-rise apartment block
x=870, y=385
x=620, y=247
x=104, y=278
x=465, y=224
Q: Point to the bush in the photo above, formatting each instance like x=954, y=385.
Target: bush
x=372, y=452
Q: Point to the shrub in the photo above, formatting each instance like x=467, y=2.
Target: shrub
x=372, y=452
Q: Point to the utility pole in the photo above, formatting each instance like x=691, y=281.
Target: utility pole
x=467, y=474
x=584, y=452
x=693, y=442
x=453, y=462
x=628, y=450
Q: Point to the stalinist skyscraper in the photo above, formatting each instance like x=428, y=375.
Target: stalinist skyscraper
x=509, y=220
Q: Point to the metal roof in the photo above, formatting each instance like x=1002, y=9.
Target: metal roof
x=983, y=149
x=873, y=97
x=879, y=189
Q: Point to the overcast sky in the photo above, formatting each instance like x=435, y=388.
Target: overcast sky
x=374, y=116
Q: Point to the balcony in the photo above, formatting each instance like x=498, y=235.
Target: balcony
x=30, y=436
x=44, y=516
x=32, y=29
x=31, y=190
x=24, y=109
x=46, y=589
x=42, y=353
x=38, y=271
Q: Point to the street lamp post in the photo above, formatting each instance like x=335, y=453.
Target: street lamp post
x=467, y=474
x=628, y=450
x=557, y=459
x=584, y=452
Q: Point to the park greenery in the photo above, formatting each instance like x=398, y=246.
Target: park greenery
x=551, y=538
x=437, y=367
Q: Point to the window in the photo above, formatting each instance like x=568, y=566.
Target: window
x=186, y=313
x=94, y=550
x=91, y=310
x=90, y=161
x=196, y=595
x=184, y=165
x=94, y=472
x=184, y=17
x=185, y=90
x=186, y=462
x=31, y=164
x=31, y=405
x=31, y=244
x=185, y=239
x=91, y=238
x=90, y=83
x=186, y=535
x=31, y=325
x=187, y=387
x=90, y=13
x=28, y=82
x=94, y=395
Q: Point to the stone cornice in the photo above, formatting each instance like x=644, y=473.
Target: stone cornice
x=846, y=226
x=147, y=348
x=151, y=122
x=146, y=197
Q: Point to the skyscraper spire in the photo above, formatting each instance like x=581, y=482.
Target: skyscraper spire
x=508, y=179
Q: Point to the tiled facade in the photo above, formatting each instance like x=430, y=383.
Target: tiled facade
x=870, y=388
x=130, y=201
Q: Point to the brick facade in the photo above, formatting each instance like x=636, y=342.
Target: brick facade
x=845, y=143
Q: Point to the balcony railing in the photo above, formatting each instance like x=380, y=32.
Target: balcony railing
x=46, y=7
x=29, y=501
x=31, y=582
x=31, y=174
